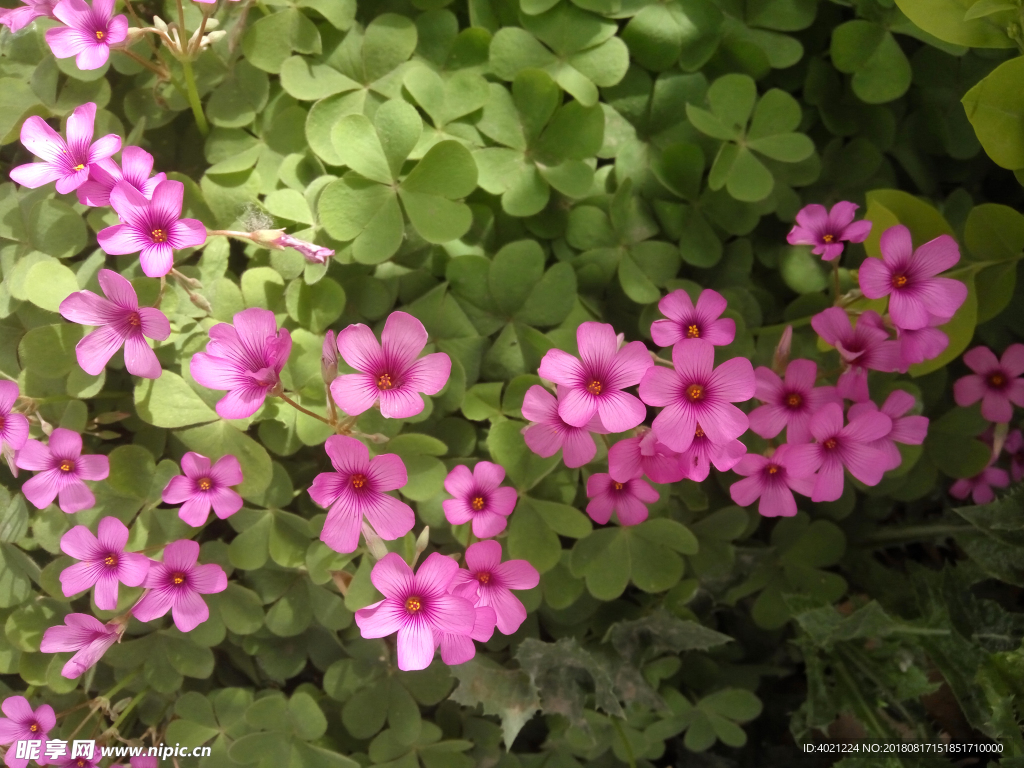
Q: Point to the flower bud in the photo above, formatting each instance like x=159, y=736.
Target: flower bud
x=212, y=38
x=201, y=302
x=134, y=35
x=160, y=24
x=329, y=359
x=781, y=358
x=374, y=543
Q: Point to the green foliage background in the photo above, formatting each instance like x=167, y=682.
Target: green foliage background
x=505, y=171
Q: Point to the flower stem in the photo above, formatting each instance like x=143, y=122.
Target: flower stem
x=193, y=98
x=124, y=681
x=159, y=71
x=835, y=281
x=625, y=742
x=299, y=408
x=131, y=705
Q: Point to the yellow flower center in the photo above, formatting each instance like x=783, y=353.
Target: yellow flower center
x=66, y=465
x=384, y=382
x=358, y=481
x=899, y=281
x=178, y=579
x=159, y=235
x=80, y=167
x=695, y=392
x=477, y=503
x=828, y=238
x=110, y=560
x=618, y=486
x=134, y=320
x=594, y=387
x=205, y=484
x=830, y=444
x=997, y=380
x=34, y=728
x=773, y=469
x=794, y=400
x=698, y=432
x=483, y=577
x=413, y=604
x=100, y=34
x=692, y=331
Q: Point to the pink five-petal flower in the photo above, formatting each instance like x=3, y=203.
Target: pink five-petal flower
x=996, y=382
x=1014, y=446
x=908, y=430
x=78, y=762
x=789, y=404
x=104, y=563
x=920, y=345
x=390, y=371
x=416, y=606
x=87, y=636
x=629, y=499
x=979, y=487
x=594, y=383
x=135, y=169
x=861, y=347
x=13, y=426
x=66, y=163
x=488, y=581
x=686, y=321
x=204, y=486
x=245, y=359
x=89, y=34
x=773, y=480
x=177, y=585
x=480, y=498
x=22, y=724
x=356, y=490
x=152, y=228
x=119, y=321
x=548, y=432
x=60, y=471
x=917, y=297
x=841, y=446
x=826, y=230
x=694, y=391
x=644, y=455
x=458, y=649
x=19, y=18
x=696, y=460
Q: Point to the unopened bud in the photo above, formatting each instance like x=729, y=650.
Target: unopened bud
x=374, y=543
x=201, y=302
x=329, y=359
x=160, y=24
x=422, y=541
x=781, y=358
x=212, y=38
x=999, y=435
x=134, y=35
x=212, y=24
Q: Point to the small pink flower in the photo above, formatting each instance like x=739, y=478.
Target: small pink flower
x=629, y=499
x=863, y=347
x=311, y=252
x=686, y=321
x=89, y=638
x=489, y=582
x=548, y=432
x=356, y=489
x=389, y=371
x=773, y=480
x=329, y=359
x=996, y=382
x=22, y=724
x=204, y=486
x=418, y=607
x=104, y=563
x=143, y=761
x=177, y=584
x=644, y=455
x=18, y=18
x=458, y=649
x=695, y=462
x=979, y=487
x=89, y=34
x=694, y=391
x=13, y=426
x=480, y=497
x=908, y=430
x=595, y=382
x=79, y=762
x=1014, y=446
x=841, y=446
x=67, y=163
x=119, y=321
x=135, y=169
x=245, y=359
x=61, y=469
x=917, y=298
x=826, y=230
x=152, y=228
x=920, y=345
x=789, y=405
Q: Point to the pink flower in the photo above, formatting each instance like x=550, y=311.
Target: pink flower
x=204, y=486
x=685, y=321
x=548, y=432
x=152, y=228
x=838, y=447
x=103, y=562
x=313, y=253
x=629, y=499
x=177, y=584
x=356, y=489
x=143, y=761
x=1014, y=446
x=135, y=169
x=489, y=582
x=979, y=487
x=418, y=607
x=789, y=405
x=908, y=430
x=19, y=18
x=67, y=163
x=88, y=637
x=13, y=426
x=773, y=479
x=594, y=383
x=22, y=724
x=695, y=391
x=389, y=371
x=996, y=383
x=245, y=359
x=480, y=497
x=826, y=230
x=89, y=34
x=79, y=762
x=920, y=345
x=458, y=649
x=917, y=298
x=644, y=455
x=61, y=469
x=866, y=346
x=329, y=359
x=695, y=462
x=119, y=321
